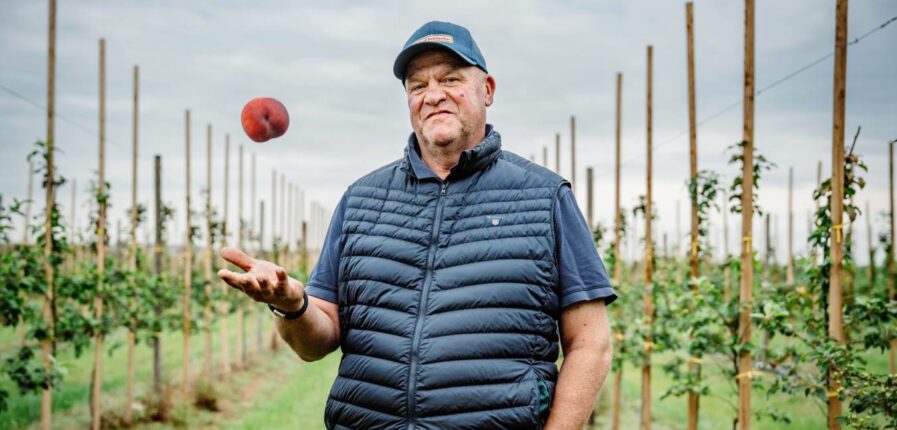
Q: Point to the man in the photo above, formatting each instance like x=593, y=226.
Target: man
x=446, y=275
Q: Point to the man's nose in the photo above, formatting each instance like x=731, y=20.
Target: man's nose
x=434, y=95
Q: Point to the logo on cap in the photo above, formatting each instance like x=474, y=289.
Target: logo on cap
x=442, y=38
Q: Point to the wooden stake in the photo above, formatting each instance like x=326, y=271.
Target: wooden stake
x=870, y=248
x=28, y=204
x=557, y=153
x=48, y=344
x=835, y=327
x=259, y=314
x=158, y=259
x=273, y=212
x=242, y=357
x=96, y=386
x=188, y=264
x=743, y=377
x=618, y=376
x=132, y=255
x=589, y=198
x=648, y=291
x=892, y=368
x=224, y=306
x=789, y=275
x=281, y=230
x=573, y=153
x=545, y=156
x=727, y=278
x=207, y=308
x=693, y=367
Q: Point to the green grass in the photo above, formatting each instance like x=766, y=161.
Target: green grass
x=70, y=400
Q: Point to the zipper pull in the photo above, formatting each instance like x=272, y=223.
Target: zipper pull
x=444, y=185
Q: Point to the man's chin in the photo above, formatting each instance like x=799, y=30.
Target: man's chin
x=442, y=139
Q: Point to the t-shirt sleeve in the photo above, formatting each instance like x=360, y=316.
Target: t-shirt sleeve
x=323, y=280
x=582, y=273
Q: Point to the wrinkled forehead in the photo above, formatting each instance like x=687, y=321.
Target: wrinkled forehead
x=434, y=60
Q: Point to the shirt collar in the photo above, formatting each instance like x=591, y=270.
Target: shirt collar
x=471, y=160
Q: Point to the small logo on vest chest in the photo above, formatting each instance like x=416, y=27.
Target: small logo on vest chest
x=493, y=220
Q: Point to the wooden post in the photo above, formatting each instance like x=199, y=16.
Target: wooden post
x=727, y=278
x=252, y=205
x=289, y=225
x=207, y=266
x=157, y=257
x=97, y=381
x=747, y=212
x=281, y=230
x=573, y=152
x=545, y=156
x=589, y=198
x=789, y=275
x=224, y=306
x=73, y=210
x=892, y=368
x=870, y=248
x=48, y=344
x=693, y=366
x=557, y=153
x=132, y=255
x=260, y=322
x=618, y=375
x=188, y=264
x=648, y=291
x=835, y=327
x=273, y=211
x=241, y=322
x=678, y=229
x=28, y=203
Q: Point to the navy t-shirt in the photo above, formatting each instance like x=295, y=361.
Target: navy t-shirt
x=582, y=274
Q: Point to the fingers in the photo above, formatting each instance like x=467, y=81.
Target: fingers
x=237, y=257
x=246, y=283
x=237, y=280
x=281, y=276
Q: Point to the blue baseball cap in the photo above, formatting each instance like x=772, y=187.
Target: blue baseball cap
x=439, y=35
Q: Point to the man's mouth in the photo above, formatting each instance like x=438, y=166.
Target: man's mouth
x=432, y=114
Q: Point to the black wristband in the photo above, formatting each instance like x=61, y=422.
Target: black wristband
x=291, y=315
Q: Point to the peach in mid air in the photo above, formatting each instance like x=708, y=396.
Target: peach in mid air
x=264, y=118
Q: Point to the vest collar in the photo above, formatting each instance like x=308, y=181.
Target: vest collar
x=470, y=161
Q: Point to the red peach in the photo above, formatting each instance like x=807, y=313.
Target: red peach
x=264, y=118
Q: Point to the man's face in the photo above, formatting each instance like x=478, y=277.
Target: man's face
x=447, y=98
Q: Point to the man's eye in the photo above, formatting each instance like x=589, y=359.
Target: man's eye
x=450, y=79
x=416, y=88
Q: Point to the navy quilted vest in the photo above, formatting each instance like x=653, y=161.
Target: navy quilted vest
x=448, y=297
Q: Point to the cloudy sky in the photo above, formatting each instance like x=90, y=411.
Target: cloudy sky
x=330, y=63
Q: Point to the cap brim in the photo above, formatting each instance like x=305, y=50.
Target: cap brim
x=401, y=63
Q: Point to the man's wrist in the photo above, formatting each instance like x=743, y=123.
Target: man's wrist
x=291, y=314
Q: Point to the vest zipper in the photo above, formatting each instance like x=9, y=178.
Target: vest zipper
x=419, y=322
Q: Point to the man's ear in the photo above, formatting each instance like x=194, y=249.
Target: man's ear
x=489, y=82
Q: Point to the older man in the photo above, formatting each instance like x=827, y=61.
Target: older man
x=447, y=274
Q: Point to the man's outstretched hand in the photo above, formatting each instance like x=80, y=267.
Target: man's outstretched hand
x=263, y=281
